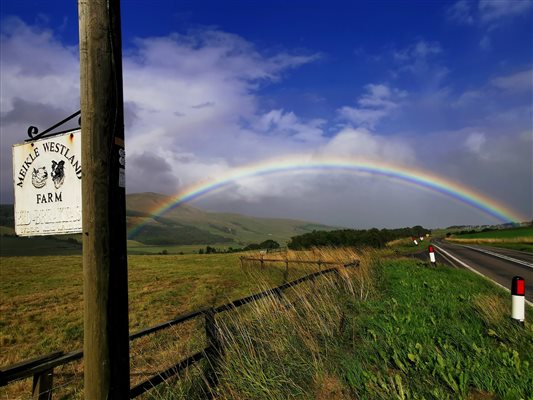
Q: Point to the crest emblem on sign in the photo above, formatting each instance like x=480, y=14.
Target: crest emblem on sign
x=39, y=177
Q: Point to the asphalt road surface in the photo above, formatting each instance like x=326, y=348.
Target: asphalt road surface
x=500, y=270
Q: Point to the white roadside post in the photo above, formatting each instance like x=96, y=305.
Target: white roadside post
x=432, y=255
x=518, y=292
x=415, y=241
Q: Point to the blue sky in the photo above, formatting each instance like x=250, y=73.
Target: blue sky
x=209, y=86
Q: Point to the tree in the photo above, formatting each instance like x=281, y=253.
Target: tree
x=269, y=244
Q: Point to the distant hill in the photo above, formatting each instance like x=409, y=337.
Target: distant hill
x=183, y=225
x=189, y=225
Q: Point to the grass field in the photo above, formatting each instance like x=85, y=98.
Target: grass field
x=45, y=294
x=516, y=239
x=41, y=302
x=395, y=328
x=515, y=233
x=136, y=248
x=405, y=246
x=37, y=246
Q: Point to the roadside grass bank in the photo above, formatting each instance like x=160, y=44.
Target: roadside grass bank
x=405, y=246
x=411, y=332
x=438, y=333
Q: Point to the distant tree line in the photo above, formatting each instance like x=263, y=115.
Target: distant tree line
x=353, y=238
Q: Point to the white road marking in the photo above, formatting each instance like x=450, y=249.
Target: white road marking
x=475, y=271
x=515, y=260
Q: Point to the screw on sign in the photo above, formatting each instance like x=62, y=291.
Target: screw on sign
x=518, y=293
x=432, y=255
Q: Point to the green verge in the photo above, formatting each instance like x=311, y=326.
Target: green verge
x=500, y=234
x=424, y=333
x=437, y=333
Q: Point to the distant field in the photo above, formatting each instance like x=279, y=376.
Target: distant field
x=525, y=233
x=11, y=246
x=136, y=248
x=516, y=239
x=37, y=246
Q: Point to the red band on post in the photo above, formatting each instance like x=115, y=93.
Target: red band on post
x=518, y=287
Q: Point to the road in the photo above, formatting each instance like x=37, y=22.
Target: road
x=500, y=270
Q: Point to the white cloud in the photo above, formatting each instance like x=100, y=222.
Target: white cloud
x=422, y=62
x=195, y=95
x=518, y=82
x=362, y=144
x=36, y=66
x=461, y=12
x=475, y=141
x=467, y=98
x=488, y=13
x=491, y=11
x=418, y=51
x=379, y=102
x=281, y=123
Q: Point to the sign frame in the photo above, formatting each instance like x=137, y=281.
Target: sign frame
x=47, y=175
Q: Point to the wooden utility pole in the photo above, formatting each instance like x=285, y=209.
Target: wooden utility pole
x=105, y=272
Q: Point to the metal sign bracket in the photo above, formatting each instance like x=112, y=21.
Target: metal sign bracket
x=33, y=131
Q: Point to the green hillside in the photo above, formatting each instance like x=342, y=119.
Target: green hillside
x=189, y=225
x=183, y=228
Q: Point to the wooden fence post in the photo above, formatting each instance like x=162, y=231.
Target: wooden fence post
x=286, y=274
x=214, y=349
x=262, y=262
x=43, y=383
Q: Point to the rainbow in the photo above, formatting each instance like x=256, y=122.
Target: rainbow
x=409, y=175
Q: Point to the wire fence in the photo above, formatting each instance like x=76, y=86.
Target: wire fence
x=45, y=369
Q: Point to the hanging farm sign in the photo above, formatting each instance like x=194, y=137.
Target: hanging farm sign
x=47, y=183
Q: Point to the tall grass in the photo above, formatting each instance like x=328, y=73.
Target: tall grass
x=280, y=347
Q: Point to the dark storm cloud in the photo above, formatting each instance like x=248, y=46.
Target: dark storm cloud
x=130, y=114
x=148, y=172
x=33, y=113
